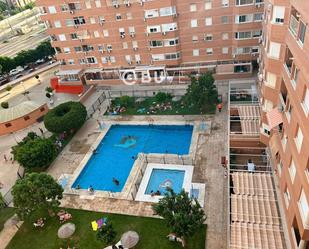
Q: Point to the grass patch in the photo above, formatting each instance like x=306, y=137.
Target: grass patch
x=5, y=214
x=152, y=233
x=150, y=106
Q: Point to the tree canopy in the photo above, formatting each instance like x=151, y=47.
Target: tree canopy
x=36, y=191
x=34, y=151
x=183, y=215
x=202, y=92
x=65, y=117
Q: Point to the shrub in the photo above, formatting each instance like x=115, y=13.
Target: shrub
x=107, y=233
x=34, y=152
x=49, y=89
x=8, y=88
x=65, y=117
x=48, y=95
x=163, y=97
x=5, y=105
x=126, y=101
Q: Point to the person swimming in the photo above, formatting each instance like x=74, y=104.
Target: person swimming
x=115, y=181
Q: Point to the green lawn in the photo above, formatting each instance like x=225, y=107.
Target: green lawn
x=152, y=233
x=178, y=108
x=5, y=213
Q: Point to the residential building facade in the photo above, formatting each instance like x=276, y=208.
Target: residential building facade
x=284, y=85
x=99, y=41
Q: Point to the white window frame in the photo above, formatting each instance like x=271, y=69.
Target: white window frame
x=299, y=139
x=292, y=170
x=304, y=208
x=193, y=7
x=195, y=52
x=208, y=21
x=193, y=23
x=305, y=102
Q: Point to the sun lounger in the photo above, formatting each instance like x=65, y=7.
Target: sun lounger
x=94, y=225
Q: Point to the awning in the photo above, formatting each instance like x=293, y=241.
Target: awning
x=274, y=118
x=68, y=72
x=93, y=70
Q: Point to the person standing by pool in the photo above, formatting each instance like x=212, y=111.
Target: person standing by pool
x=90, y=189
x=116, y=181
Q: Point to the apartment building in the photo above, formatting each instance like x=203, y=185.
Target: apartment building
x=103, y=41
x=284, y=85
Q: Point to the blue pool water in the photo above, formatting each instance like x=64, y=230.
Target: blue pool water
x=113, y=157
x=160, y=179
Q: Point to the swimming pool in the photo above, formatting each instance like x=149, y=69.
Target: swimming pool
x=115, y=155
x=160, y=179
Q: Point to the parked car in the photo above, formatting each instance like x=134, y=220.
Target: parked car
x=39, y=61
x=31, y=70
x=4, y=79
x=16, y=71
x=18, y=76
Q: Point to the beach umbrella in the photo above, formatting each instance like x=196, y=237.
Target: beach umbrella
x=129, y=239
x=66, y=231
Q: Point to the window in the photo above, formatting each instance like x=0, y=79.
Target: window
x=154, y=29
x=243, y=35
x=243, y=2
x=69, y=23
x=137, y=58
x=151, y=13
x=129, y=15
x=292, y=171
x=173, y=56
x=92, y=20
x=112, y=59
x=208, y=37
x=134, y=44
x=118, y=17
x=225, y=36
x=274, y=50
x=257, y=17
x=193, y=7
x=128, y=59
x=209, y=51
x=77, y=49
x=299, y=139
x=96, y=34
x=7, y=125
x=52, y=9
x=195, y=38
x=303, y=207
x=62, y=37
x=268, y=105
x=57, y=24
x=70, y=61
x=169, y=27
x=26, y=118
x=88, y=4
x=125, y=45
x=91, y=60
x=74, y=36
x=278, y=14
x=104, y=60
x=302, y=32
x=194, y=23
x=156, y=44
x=265, y=129
x=79, y=20
x=97, y=3
x=168, y=11
x=105, y=33
x=109, y=47
x=208, y=21
x=157, y=57
x=82, y=61
x=270, y=80
x=256, y=33
x=305, y=103
x=225, y=50
x=122, y=32
x=171, y=42
x=243, y=19
x=131, y=30
x=196, y=52
x=224, y=19
x=287, y=197
x=225, y=3
x=101, y=20
x=208, y=5
x=66, y=50
x=64, y=7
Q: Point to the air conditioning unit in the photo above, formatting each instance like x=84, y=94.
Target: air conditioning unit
x=129, y=62
x=72, y=11
x=258, y=5
x=76, y=26
x=141, y=2
x=138, y=62
x=109, y=51
x=128, y=4
x=163, y=33
x=135, y=48
x=116, y=5
x=147, y=34
x=101, y=51
x=175, y=15
x=132, y=34
x=122, y=36
x=234, y=56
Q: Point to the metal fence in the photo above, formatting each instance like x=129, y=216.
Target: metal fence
x=96, y=105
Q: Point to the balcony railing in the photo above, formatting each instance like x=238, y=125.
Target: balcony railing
x=294, y=25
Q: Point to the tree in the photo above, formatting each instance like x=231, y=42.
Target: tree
x=65, y=117
x=107, y=233
x=36, y=191
x=126, y=101
x=163, y=97
x=2, y=201
x=34, y=152
x=202, y=92
x=5, y=105
x=183, y=215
